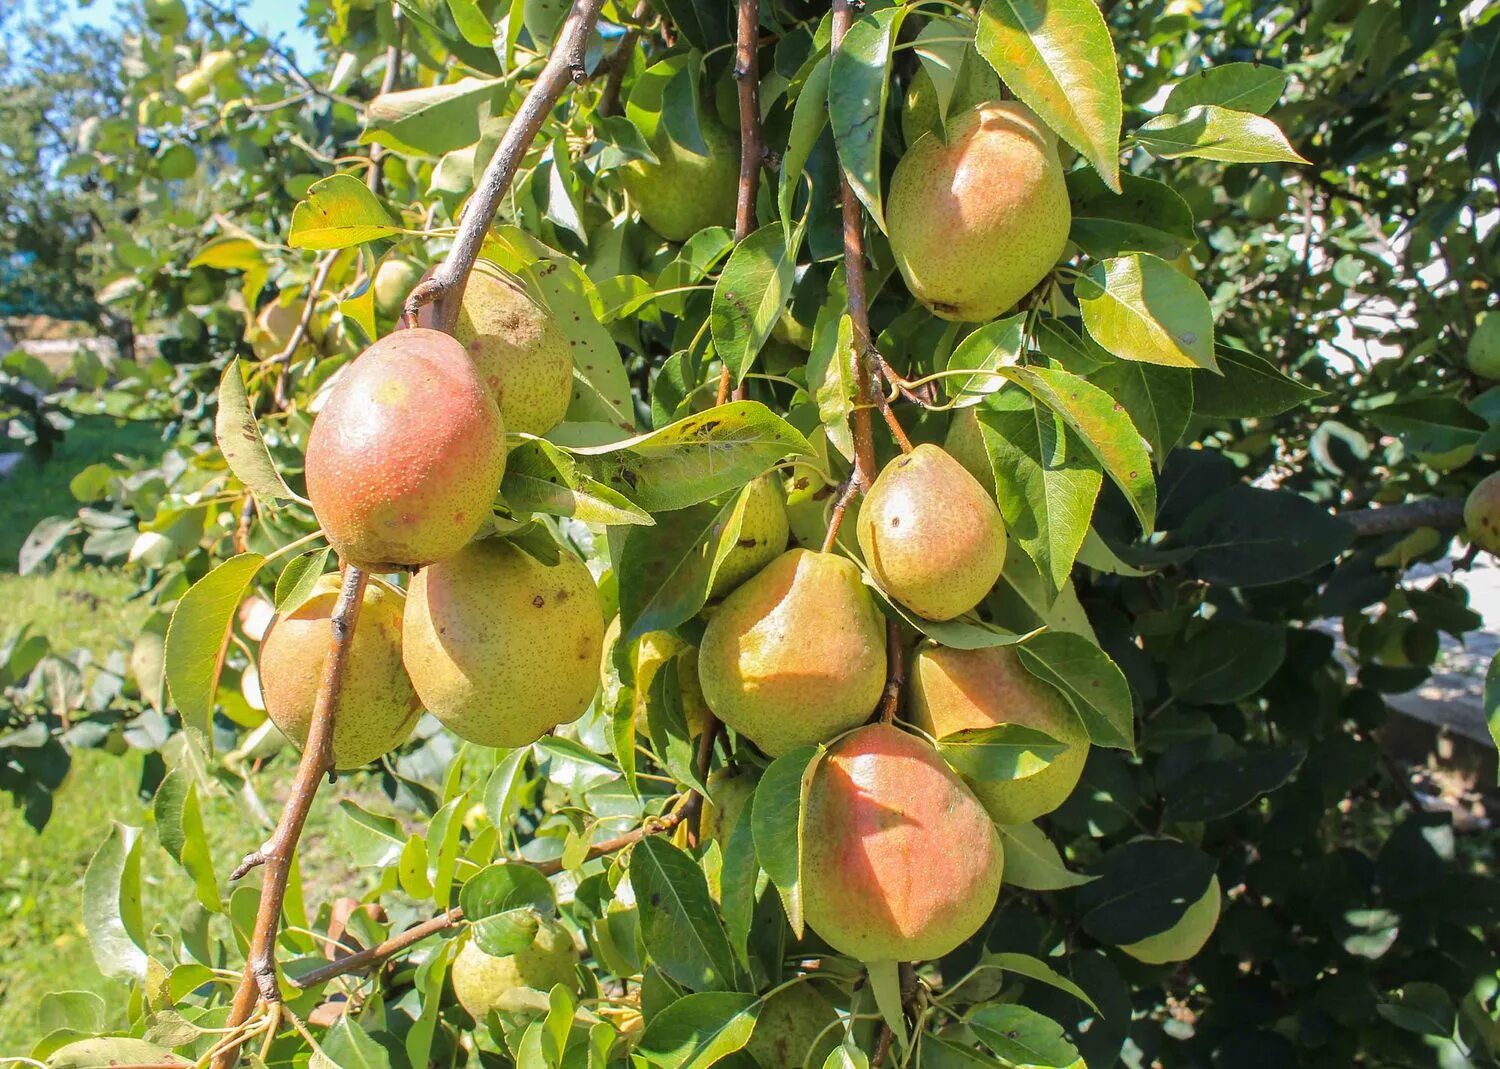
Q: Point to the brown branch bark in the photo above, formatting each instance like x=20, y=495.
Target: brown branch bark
x=752, y=148
x=895, y=680
x=1430, y=512
x=619, y=63
x=563, y=67
x=259, y=982
x=387, y=85
x=703, y=758
x=282, y=394
x=371, y=956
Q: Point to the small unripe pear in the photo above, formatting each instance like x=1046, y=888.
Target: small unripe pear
x=931, y=535
x=975, y=84
x=501, y=647
x=1482, y=514
x=652, y=650
x=1484, y=347
x=377, y=706
x=795, y=655
x=1185, y=938
x=518, y=349
x=484, y=983
x=795, y=1028
x=407, y=453
x=685, y=192
x=965, y=444
x=394, y=279
x=166, y=17
x=954, y=690
x=763, y=535
x=273, y=329
x=978, y=220
x=905, y=863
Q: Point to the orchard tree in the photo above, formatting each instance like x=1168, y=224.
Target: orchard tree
x=824, y=581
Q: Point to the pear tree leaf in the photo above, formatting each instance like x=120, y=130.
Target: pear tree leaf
x=858, y=84
x=1253, y=87
x=198, y=635
x=1089, y=679
x=1139, y=307
x=112, y=905
x=750, y=294
x=985, y=351
x=700, y=1030
x=239, y=438
x=776, y=815
x=542, y=478
x=809, y=117
x=339, y=211
x=1211, y=132
x=1032, y=862
x=683, y=935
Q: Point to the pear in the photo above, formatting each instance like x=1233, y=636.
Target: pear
x=1185, y=938
x=976, y=83
x=685, y=192
x=795, y=655
x=954, y=690
x=521, y=353
x=501, y=647
x=900, y=862
x=377, y=706
x=1482, y=514
x=394, y=279
x=1483, y=354
x=483, y=983
x=166, y=17
x=407, y=453
x=763, y=535
x=931, y=535
x=796, y=1027
x=965, y=444
x=729, y=793
x=652, y=650
x=978, y=220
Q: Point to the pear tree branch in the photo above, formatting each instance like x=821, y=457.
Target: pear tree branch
x=564, y=67
x=387, y=85
x=1429, y=512
x=259, y=981
x=752, y=148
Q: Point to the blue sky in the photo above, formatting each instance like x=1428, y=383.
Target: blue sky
x=278, y=19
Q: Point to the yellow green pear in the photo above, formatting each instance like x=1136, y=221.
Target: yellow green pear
x=965, y=444
x=976, y=83
x=501, y=647
x=684, y=192
x=931, y=535
x=797, y=654
x=1185, y=938
x=763, y=535
x=377, y=706
x=1484, y=347
x=978, y=219
x=484, y=983
x=520, y=352
x=1482, y=514
x=955, y=690
x=796, y=1027
x=652, y=650
x=394, y=279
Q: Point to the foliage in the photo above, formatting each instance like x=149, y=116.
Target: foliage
x=1174, y=422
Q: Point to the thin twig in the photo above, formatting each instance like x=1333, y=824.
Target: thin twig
x=387, y=85
x=702, y=760
x=1429, y=512
x=619, y=63
x=895, y=678
x=752, y=150
x=362, y=960
x=564, y=67
x=299, y=332
x=317, y=759
x=847, y=490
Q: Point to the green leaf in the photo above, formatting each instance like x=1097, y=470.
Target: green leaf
x=240, y=440
x=199, y=633
x=776, y=814
x=112, y=905
x=179, y=827
x=1212, y=790
x=682, y=933
x=665, y=572
x=857, y=88
x=1046, y=481
x=1249, y=385
x=372, y=839
x=299, y=577
x=1246, y=536
x=1226, y=660
x=991, y=347
x=1492, y=698
x=750, y=295
x=1143, y=888
x=1209, y=132
x=809, y=117
x=1159, y=400
x=1145, y=216
x=697, y=458
x=1105, y=429
x=1140, y=307
x=348, y=1046
x=1035, y=969
x=77, y=1011
x=697, y=1031
x=1023, y=1038
x=1057, y=57
x=1253, y=87
x=885, y=985
x=473, y=23
x=339, y=211
x=1089, y=679
x=1001, y=752
x=1032, y=862
x=541, y=478
x=434, y=120
x=738, y=884
x=834, y=381
x=510, y=932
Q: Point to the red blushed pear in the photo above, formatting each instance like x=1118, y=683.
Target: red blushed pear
x=901, y=862
x=406, y=456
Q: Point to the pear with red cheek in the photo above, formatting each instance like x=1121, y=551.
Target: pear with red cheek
x=905, y=863
x=406, y=455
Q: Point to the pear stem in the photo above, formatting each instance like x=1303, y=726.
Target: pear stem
x=259, y=980
x=752, y=147
x=890, y=700
x=564, y=66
